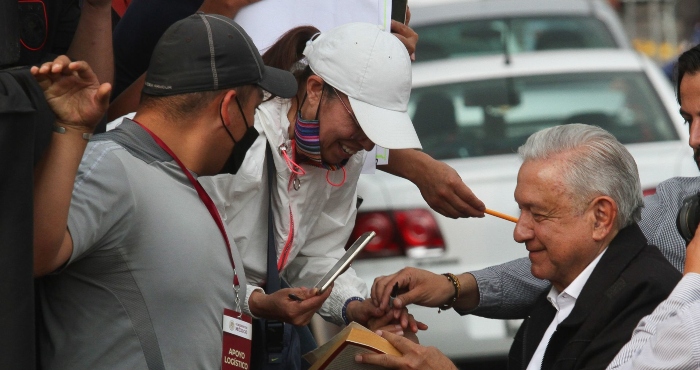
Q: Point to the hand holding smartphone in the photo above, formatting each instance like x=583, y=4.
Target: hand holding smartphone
x=344, y=262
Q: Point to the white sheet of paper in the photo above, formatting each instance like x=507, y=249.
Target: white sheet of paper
x=376, y=157
x=267, y=20
x=370, y=164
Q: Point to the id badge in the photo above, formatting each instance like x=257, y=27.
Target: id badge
x=237, y=340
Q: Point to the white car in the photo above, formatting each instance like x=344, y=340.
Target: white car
x=457, y=28
x=473, y=113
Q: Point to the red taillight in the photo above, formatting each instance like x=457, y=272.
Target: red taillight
x=398, y=233
x=651, y=191
x=419, y=229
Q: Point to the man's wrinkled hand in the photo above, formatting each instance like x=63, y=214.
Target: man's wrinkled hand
x=415, y=286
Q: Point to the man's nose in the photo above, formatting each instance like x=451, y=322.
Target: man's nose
x=522, y=232
x=694, y=141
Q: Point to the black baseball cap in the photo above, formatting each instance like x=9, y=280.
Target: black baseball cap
x=208, y=52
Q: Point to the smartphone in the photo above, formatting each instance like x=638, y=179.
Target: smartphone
x=398, y=10
x=345, y=261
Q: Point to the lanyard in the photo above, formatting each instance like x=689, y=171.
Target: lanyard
x=205, y=199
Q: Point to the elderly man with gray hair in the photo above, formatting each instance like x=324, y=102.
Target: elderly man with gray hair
x=580, y=199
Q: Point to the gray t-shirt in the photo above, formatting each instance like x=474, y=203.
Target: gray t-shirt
x=149, y=277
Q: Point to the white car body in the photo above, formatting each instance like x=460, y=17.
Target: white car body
x=456, y=24
x=472, y=244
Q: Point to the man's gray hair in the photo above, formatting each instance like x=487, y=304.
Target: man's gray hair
x=598, y=164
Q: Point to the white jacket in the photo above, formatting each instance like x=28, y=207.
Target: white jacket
x=312, y=224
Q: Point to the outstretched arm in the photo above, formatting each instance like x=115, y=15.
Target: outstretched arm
x=440, y=185
x=505, y=291
x=79, y=102
x=424, y=288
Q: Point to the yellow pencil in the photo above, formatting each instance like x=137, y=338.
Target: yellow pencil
x=501, y=215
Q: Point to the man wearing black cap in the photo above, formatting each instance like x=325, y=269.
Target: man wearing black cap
x=140, y=271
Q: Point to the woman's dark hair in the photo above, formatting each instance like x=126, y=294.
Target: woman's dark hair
x=688, y=62
x=288, y=50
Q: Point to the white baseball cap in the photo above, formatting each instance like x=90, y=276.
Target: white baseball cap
x=373, y=68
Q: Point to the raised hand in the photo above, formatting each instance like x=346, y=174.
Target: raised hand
x=73, y=93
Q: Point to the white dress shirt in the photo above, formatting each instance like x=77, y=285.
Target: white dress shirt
x=564, y=303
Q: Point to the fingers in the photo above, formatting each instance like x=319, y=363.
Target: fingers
x=408, y=37
x=102, y=96
x=407, y=280
x=412, y=324
x=393, y=329
x=448, y=195
x=408, y=322
x=381, y=360
x=385, y=322
x=58, y=66
x=468, y=203
x=458, y=207
x=384, y=360
x=377, y=290
x=44, y=73
x=402, y=344
x=83, y=70
x=382, y=287
x=300, y=312
x=445, y=208
x=405, y=299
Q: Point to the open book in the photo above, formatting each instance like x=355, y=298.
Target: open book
x=339, y=352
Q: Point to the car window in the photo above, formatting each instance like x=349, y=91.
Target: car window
x=482, y=37
x=489, y=117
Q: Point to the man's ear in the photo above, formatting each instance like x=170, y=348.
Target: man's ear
x=604, y=214
x=224, y=110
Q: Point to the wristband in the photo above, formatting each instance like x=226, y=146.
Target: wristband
x=62, y=130
x=345, y=307
x=455, y=283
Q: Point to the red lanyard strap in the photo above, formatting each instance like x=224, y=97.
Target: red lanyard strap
x=206, y=199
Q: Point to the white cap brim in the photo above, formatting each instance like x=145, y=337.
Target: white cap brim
x=387, y=128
